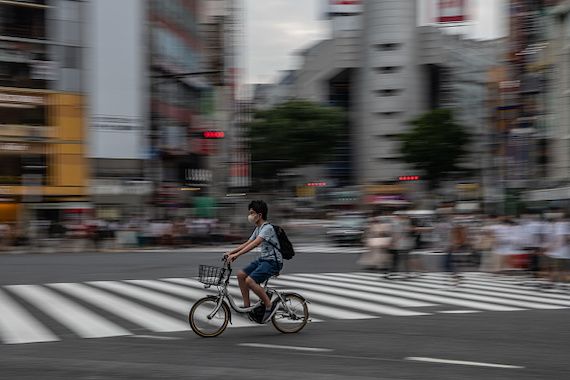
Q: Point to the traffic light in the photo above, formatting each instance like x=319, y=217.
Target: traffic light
x=408, y=178
x=213, y=135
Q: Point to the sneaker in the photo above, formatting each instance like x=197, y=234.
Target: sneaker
x=269, y=313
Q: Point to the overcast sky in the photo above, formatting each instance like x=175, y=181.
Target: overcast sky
x=275, y=29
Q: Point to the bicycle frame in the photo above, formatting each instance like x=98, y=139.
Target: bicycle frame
x=224, y=294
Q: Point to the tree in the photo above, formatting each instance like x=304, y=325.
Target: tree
x=435, y=145
x=293, y=134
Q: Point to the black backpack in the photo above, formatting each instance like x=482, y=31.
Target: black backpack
x=286, y=249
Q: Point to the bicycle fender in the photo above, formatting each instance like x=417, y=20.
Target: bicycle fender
x=214, y=298
x=298, y=295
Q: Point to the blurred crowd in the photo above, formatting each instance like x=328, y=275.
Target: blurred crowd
x=534, y=243
x=100, y=234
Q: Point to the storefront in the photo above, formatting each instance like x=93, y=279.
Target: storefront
x=41, y=151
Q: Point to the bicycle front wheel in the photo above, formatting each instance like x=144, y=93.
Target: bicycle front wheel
x=292, y=315
x=208, y=327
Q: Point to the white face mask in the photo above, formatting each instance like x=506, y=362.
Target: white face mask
x=251, y=218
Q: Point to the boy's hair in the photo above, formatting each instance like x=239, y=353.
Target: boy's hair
x=259, y=207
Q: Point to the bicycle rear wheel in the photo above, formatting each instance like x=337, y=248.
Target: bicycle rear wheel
x=293, y=316
x=198, y=317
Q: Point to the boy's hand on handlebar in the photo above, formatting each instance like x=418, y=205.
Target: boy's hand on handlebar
x=229, y=258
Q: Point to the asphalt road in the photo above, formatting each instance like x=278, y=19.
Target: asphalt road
x=529, y=344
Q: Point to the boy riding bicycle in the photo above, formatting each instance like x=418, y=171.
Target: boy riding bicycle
x=268, y=264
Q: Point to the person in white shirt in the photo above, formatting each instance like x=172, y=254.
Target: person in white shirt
x=559, y=248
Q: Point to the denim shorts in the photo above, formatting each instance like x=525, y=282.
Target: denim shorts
x=261, y=270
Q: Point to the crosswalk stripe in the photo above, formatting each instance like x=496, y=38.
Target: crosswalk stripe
x=334, y=296
x=447, y=298
x=457, y=293
x=495, y=292
x=18, y=326
x=496, y=284
x=128, y=310
x=78, y=319
x=184, y=306
x=314, y=307
x=369, y=293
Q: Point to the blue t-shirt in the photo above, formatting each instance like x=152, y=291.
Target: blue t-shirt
x=268, y=251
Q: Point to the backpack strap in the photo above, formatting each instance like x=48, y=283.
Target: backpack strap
x=273, y=245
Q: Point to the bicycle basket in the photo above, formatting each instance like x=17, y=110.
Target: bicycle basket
x=210, y=275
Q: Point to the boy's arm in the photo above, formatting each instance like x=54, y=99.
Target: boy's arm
x=240, y=247
x=248, y=246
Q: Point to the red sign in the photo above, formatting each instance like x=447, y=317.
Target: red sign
x=451, y=11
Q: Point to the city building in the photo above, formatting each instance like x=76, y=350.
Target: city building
x=551, y=61
x=385, y=70
x=43, y=171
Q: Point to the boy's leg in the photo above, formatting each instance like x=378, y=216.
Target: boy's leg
x=243, y=287
x=259, y=291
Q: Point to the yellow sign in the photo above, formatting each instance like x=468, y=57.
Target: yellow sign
x=385, y=189
x=467, y=187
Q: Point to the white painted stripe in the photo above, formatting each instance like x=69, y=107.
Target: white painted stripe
x=459, y=311
x=368, y=293
x=125, y=309
x=498, y=285
x=466, y=287
x=162, y=300
x=18, y=326
x=457, y=293
x=418, y=293
x=78, y=319
x=314, y=306
x=292, y=348
x=330, y=296
x=462, y=362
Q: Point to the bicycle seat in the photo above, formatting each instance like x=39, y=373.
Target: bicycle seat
x=276, y=275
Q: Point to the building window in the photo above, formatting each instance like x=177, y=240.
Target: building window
x=389, y=92
x=389, y=69
x=389, y=46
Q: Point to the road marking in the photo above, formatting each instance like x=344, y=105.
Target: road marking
x=368, y=293
x=140, y=315
x=459, y=311
x=157, y=337
x=238, y=320
x=458, y=292
x=18, y=326
x=461, y=362
x=484, y=282
x=292, y=348
x=450, y=298
x=78, y=319
x=465, y=287
x=317, y=293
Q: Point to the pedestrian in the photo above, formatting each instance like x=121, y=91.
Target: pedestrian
x=457, y=245
x=559, y=250
x=378, y=240
x=401, y=244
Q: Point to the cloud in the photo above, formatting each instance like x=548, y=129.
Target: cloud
x=275, y=29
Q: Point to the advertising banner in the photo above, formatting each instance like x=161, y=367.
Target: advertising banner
x=115, y=79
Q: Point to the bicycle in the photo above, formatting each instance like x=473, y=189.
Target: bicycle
x=210, y=315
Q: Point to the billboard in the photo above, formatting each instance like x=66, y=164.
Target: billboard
x=345, y=7
x=452, y=11
x=115, y=79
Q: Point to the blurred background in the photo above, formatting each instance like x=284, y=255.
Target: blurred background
x=157, y=121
